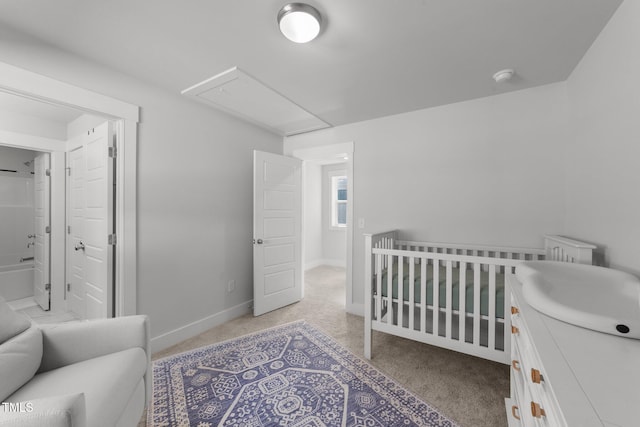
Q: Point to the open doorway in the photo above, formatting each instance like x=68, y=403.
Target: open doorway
x=43, y=201
x=33, y=87
x=328, y=214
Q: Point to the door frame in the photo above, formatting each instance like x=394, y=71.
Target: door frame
x=324, y=152
x=28, y=84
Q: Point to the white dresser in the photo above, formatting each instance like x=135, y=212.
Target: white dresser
x=564, y=375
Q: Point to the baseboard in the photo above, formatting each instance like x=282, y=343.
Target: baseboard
x=329, y=262
x=313, y=264
x=170, y=338
x=356, y=308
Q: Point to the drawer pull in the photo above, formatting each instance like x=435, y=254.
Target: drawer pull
x=515, y=330
x=514, y=310
x=516, y=365
x=537, y=411
x=536, y=376
x=514, y=412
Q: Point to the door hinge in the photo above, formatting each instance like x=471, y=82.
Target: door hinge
x=47, y=229
x=112, y=239
x=68, y=229
x=113, y=152
x=47, y=286
x=68, y=287
x=47, y=172
x=69, y=171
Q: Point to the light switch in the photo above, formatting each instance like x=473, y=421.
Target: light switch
x=360, y=222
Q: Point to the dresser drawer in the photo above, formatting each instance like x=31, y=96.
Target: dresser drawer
x=536, y=402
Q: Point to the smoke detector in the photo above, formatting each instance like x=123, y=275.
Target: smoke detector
x=503, y=75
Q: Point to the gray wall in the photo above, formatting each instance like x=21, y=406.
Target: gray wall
x=194, y=188
x=312, y=214
x=334, y=241
x=603, y=157
x=487, y=171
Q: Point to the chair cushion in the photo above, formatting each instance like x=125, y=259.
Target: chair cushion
x=20, y=358
x=11, y=323
x=108, y=382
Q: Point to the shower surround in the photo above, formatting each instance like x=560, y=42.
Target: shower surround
x=16, y=223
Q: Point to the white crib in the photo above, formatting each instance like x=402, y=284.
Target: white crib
x=423, y=311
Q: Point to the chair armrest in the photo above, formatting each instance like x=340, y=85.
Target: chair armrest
x=68, y=343
x=57, y=411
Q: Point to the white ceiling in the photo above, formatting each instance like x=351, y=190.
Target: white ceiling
x=373, y=58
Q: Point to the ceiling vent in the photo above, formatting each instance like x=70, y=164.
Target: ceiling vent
x=239, y=94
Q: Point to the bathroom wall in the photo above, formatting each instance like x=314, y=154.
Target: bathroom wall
x=603, y=182
x=29, y=125
x=16, y=205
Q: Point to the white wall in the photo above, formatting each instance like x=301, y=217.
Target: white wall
x=489, y=170
x=603, y=182
x=312, y=214
x=80, y=125
x=194, y=190
x=334, y=240
x=30, y=125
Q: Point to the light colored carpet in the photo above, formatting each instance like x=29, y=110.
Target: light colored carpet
x=467, y=389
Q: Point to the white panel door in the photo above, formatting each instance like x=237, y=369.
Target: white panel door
x=42, y=193
x=277, y=231
x=98, y=223
x=90, y=217
x=75, y=232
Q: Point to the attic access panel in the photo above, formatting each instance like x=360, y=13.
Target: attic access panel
x=239, y=94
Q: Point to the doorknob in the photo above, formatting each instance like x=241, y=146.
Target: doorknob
x=79, y=246
x=259, y=241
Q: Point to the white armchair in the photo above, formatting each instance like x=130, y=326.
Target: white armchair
x=89, y=373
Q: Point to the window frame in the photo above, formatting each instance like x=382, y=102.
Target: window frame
x=333, y=179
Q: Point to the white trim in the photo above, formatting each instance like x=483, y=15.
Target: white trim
x=333, y=176
x=328, y=262
x=356, y=308
x=313, y=264
x=35, y=86
x=182, y=333
x=27, y=83
x=31, y=142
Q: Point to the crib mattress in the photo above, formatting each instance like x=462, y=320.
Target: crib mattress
x=484, y=288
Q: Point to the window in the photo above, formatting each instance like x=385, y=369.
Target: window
x=339, y=201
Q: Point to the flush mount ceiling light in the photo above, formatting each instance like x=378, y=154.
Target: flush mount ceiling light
x=299, y=22
x=503, y=75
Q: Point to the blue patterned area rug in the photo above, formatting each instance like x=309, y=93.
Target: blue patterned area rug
x=292, y=375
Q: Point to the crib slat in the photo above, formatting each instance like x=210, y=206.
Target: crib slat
x=423, y=295
x=389, y=289
x=411, y=292
x=436, y=297
x=449, y=299
x=379, y=287
x=400, y=282
x=492, y=306
x=462, y=302
x=476, y=304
